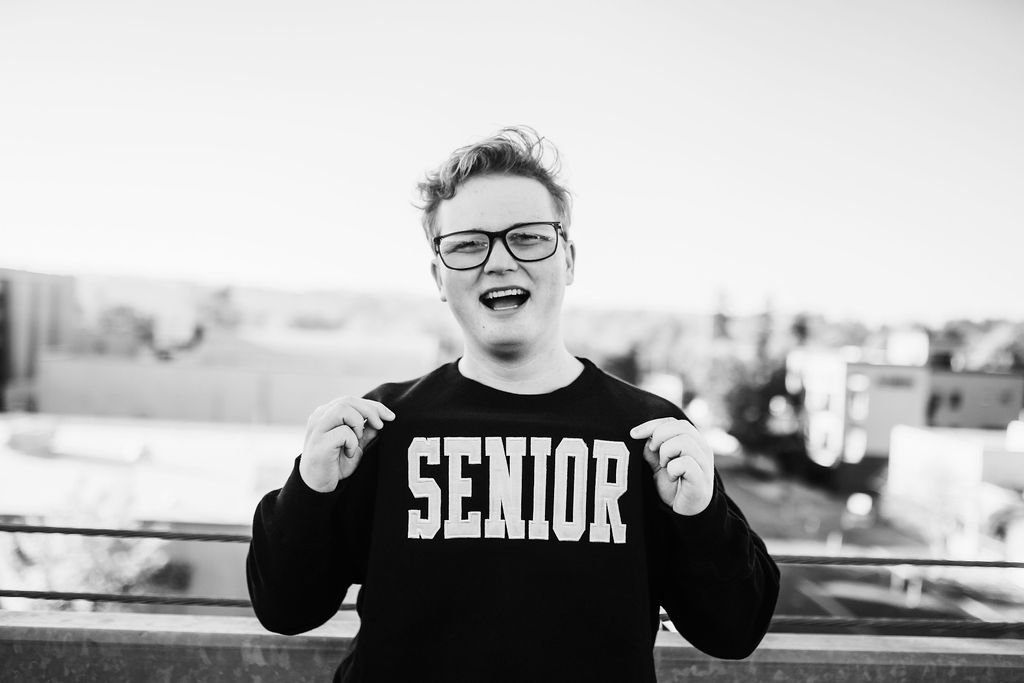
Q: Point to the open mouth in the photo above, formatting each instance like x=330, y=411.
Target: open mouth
x=504, y=299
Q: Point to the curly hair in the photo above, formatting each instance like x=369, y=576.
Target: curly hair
x=515, y=151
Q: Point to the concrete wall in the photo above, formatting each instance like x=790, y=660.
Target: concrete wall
x=66, y=646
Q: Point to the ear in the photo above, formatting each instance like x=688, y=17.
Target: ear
x=570, y=261
x=435, y=272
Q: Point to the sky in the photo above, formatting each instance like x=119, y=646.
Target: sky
x=858, y=159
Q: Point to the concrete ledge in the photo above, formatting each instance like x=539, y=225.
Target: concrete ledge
x=84, y=646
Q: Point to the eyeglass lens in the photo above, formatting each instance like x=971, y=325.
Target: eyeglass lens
x=532, y=242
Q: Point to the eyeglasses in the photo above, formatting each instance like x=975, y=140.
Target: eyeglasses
x=527, y=242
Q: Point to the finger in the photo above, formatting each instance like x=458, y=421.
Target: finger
x=683, y=467
x=652, y=459
x=666, y=430
x=697, y=446
x=368, y=437
x=662, y=433
x=344, y=439
x=371, y=411
x=375, y=413
x=646, y=429
x=678, y=445
x=343, y=414
x=355, y=412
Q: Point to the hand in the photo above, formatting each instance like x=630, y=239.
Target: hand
x=337, y=433
x=683, y=463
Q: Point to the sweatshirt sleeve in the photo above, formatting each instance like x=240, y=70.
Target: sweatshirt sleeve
x=307, y=549
x=717, y=581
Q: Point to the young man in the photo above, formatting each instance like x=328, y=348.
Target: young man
x=516, y=515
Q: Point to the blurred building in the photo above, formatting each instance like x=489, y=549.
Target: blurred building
x=259, y=376
x=851, y=406
x=37, y=312
x=960, y=488
x=173, y=350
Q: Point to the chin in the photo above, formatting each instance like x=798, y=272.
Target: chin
x=506, y=345
x=507, y=337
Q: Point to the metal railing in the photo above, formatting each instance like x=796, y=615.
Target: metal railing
x=821, y=624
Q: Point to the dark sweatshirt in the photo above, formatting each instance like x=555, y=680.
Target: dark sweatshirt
x=509, y=537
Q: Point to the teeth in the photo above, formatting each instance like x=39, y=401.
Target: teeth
x=504, y=292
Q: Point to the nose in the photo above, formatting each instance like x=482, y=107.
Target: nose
x=500, y=260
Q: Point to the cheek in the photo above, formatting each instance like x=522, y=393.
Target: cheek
x=452, y=288
x=460, y=300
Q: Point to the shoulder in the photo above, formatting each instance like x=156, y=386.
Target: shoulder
x=639, y=404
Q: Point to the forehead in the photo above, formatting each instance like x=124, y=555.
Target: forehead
x=495, y=201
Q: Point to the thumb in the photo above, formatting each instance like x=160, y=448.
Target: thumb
x=651, y=457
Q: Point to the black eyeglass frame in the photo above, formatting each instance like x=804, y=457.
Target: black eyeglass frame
x=503, y=234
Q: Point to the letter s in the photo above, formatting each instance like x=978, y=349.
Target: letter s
x=422, y=487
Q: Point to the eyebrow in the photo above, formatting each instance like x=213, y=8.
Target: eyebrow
x=507, y=227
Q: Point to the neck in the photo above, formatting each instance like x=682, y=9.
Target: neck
x=536, y=373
